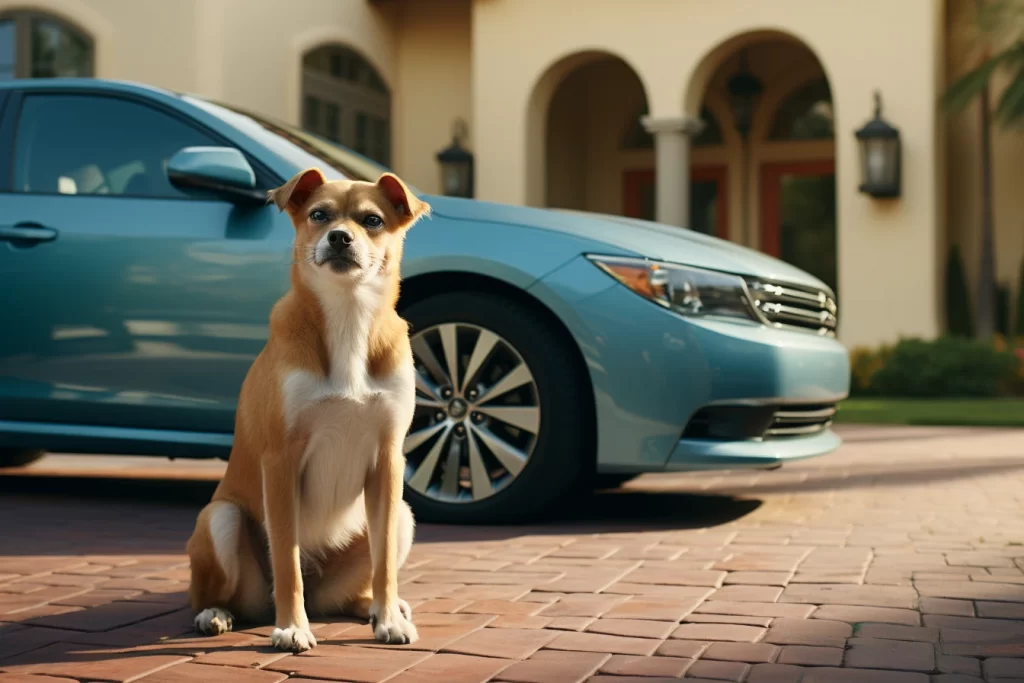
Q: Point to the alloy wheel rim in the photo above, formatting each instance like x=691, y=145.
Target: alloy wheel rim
x=477, y=414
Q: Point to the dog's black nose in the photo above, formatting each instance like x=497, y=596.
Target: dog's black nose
x=339, y=239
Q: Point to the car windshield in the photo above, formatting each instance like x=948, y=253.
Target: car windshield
x=299, y=147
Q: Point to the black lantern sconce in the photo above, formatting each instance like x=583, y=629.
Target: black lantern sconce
x=879, y=156
x=456, y=164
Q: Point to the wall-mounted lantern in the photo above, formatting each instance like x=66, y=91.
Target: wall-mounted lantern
x=879, y=156
x=456, y=164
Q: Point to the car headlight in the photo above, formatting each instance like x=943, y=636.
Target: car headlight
x=687, y=291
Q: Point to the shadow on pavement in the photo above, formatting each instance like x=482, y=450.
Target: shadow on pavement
x=177, y=492
x=98, y=516
x=887, y=475
x=609, y=512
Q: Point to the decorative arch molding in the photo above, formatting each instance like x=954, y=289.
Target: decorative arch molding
x=697, y=80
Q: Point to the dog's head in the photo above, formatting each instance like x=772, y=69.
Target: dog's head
x=348, y=231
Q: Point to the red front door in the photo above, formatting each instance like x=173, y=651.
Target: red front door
x=709, y=198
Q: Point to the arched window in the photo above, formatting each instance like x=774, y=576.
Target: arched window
x=35, y=45
x=637, y=136
x=805, y=115
x=345, y=100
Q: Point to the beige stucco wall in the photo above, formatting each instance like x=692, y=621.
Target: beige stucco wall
x=963, y=180
x=432, y=86
x=255, y=48
x=140, y=41
x=888, y=251
x=247, y=52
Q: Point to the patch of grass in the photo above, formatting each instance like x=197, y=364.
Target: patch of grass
x=933, y=412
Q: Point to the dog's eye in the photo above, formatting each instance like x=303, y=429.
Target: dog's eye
x=373, y=221
x=318, y=215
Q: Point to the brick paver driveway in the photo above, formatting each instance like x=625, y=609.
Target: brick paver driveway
x=898, y=559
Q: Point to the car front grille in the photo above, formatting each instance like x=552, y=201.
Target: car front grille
x=794, y=306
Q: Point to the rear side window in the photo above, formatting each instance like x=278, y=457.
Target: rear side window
x=94, y=145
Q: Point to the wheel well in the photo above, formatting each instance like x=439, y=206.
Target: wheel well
x=421, y=287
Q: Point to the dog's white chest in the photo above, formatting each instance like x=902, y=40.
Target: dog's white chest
x=346, y=420
x=346, y=417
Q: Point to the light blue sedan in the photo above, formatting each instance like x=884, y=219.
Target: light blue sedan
x=554, y=350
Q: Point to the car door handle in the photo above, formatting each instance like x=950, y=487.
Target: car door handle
x=27, y=233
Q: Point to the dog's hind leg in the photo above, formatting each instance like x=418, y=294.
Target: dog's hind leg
x=345, y=587
x=344, y=579
x=227, y=580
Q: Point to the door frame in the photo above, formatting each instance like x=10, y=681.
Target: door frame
x=633, y=180
x=771, y=173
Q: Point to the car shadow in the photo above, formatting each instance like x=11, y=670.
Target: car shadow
x=614, y=511
x=60, y=515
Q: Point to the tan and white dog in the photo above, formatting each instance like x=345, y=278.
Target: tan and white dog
x=317, y=466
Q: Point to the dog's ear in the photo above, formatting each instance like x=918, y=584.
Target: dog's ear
x=296, y=191
x=408, y=206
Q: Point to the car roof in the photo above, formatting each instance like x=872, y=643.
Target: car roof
x=82, y=84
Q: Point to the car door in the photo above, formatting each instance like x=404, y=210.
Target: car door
x=129, y=303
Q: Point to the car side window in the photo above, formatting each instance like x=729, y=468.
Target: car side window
x=97, y=145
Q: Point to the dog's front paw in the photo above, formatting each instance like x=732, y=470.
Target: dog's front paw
x=391, y=623
x=293, y=639
x=213, y=621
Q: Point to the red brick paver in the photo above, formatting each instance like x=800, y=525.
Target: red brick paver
x=899, y=559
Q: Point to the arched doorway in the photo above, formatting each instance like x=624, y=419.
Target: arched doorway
x=583, y=154
x=345, y=100
x=578, y=115
x=38, y=45
x=783, y=161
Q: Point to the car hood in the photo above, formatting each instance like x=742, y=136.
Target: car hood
x=633, y=237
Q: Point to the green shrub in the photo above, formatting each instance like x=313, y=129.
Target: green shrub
x=864, y=363
x=946, y=367
x=959, y=320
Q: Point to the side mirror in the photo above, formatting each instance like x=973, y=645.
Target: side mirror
x=222, y=171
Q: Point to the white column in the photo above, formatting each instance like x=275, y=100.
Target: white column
x=672, y=165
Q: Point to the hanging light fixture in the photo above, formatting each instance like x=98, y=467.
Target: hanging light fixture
x=879, y=156
x=744, y=92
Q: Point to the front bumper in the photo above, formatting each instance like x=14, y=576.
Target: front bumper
x=653, y=372
x=714, y=454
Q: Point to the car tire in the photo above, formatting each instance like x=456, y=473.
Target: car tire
x=10, y=457
x=559, y=453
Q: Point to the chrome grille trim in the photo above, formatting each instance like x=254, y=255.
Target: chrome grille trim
x=788, y=416
x=794, y=306
x=800, y=421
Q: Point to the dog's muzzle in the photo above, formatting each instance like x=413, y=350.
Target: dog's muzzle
x=335, y=249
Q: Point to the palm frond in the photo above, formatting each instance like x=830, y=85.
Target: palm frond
x=964, y=89
x=1010, y=110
